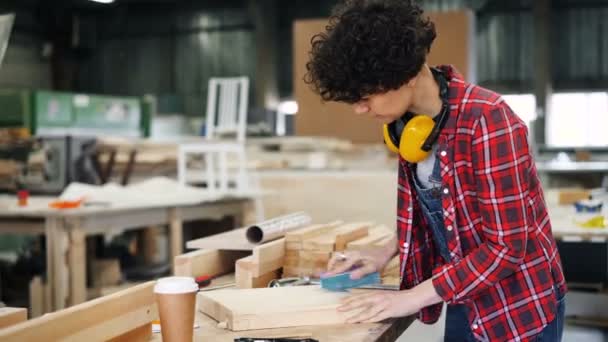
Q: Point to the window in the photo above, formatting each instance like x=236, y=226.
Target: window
x=577, y=120
x=524, y=105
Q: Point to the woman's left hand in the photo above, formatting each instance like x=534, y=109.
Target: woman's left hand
x=376, y=306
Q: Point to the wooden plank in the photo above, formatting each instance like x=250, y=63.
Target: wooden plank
x=12, y=316
x=386, y=242
x=291, y=253
x=338, y=238
x=311, y=231
x=294, y=246
x=245, y=279
x=376, y=234
x=232, y=240
x=176, y=233
x=36, y=297
x=268, y=308
x=268, y=257
x=206, y=262
x=103, y=318
x=354, y=232
x=392, y=267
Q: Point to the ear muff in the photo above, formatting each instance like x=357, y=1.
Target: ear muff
x=411, y=139
x=414, y=140
x=392, y=145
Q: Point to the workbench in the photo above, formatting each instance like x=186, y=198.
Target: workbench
x=128, y=314
x=65, y=232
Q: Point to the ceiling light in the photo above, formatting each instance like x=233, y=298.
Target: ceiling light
x=104, y=1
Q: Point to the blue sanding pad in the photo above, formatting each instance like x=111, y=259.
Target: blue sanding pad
x=343, y=282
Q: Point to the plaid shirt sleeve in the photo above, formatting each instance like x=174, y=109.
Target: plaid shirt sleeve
x=501, y=161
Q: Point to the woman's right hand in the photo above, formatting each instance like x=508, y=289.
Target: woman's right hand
x=361, y=263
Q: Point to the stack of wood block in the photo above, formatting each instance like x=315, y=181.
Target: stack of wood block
x=309, y=250
x=379, y=237
x=306, y=252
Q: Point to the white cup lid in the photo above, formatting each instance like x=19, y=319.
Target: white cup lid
x=175, y=285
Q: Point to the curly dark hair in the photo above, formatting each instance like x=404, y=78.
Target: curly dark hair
x=369, y=47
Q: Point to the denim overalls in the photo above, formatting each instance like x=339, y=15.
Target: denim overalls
x=457, y=326
x=457, y=322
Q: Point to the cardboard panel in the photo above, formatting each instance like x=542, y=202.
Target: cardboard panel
x=452, y=46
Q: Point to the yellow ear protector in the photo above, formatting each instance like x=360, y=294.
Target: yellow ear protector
x=413, y=136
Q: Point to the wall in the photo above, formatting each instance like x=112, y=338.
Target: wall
x=23, y=65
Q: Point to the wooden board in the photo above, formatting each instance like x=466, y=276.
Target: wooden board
x=311, y=231
x=273, y=307
x=206, y=262
x=386, y=242
x=102, y=319
x=245, y=278
x=392, y=267
x=336, y=239
x=12, y=316
x=268, y=257
x=376, y=234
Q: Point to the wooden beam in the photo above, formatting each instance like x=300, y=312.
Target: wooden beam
x=311, y=231
x=245, y=279
x=268, y=257
x=37, y=307
x=12, y=316
x=102, y=319
x=336, y=240
x=176, y=232
x=376, y=234
x=206, y=262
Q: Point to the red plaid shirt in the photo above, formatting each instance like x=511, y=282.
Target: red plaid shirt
x=505, y=265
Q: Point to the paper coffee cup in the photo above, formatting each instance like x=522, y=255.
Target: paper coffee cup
x=176, y=299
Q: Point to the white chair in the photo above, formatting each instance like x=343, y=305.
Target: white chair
x=225, y=131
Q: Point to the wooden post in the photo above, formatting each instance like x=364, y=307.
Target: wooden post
x=61, y=275
x=176, y=234
x=77, y=264
x=36, y=297
x=148, y=244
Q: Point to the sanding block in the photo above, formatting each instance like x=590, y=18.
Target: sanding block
x=343, y=282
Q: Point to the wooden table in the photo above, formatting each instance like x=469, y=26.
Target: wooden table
x=65, y=232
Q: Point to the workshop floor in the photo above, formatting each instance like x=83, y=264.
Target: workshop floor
x=434, y=333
